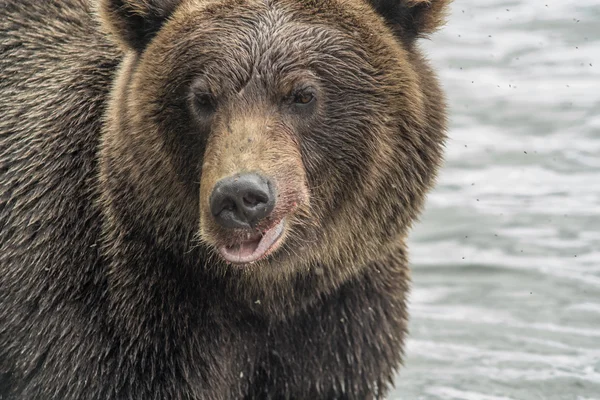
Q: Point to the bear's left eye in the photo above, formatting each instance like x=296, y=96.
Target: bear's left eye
x=303, y=98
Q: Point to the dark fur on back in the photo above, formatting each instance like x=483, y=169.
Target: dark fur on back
x=106, y=291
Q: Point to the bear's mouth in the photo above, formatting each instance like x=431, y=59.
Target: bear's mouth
x=254, y=247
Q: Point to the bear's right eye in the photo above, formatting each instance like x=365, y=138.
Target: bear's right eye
x=204, y=104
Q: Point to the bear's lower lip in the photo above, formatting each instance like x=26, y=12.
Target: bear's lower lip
x=251, y=250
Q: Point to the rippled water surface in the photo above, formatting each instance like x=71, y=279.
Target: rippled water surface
x=506, y=260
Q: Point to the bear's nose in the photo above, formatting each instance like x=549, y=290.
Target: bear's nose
x=242, y=200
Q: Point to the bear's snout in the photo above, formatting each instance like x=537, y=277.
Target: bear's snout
x=253, y=188
x=242, y=200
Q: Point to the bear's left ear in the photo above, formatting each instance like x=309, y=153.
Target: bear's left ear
x=412, y=18
x=135, y=22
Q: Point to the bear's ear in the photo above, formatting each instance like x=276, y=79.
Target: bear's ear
x=412, y=18
x=135, y=22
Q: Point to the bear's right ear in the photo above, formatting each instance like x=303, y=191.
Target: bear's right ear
x=135, y=22
x=412, y=18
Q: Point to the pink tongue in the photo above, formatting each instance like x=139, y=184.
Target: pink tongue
x=244, y=249
x=253, y=249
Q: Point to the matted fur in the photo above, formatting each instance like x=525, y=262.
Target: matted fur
x=111, y=286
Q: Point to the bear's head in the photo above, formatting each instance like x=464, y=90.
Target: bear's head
x=279, y=136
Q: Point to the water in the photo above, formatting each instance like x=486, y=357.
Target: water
x=506, y=260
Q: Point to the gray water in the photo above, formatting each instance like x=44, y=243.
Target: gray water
x=506, y=260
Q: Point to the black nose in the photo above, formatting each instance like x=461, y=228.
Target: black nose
x=242, y=200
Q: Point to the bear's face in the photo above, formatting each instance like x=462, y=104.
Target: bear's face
x=280, y=135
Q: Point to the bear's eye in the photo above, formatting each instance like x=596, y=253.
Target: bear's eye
x=204, y=101
x=303, y=98
x=204, y=104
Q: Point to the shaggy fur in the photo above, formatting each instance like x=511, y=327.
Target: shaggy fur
x=111, y=140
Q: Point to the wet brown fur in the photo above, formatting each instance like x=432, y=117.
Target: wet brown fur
x=110, y=283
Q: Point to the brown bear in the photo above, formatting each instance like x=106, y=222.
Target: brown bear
x=209, y=199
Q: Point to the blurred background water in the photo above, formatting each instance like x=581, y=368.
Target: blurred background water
x=506, y=259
